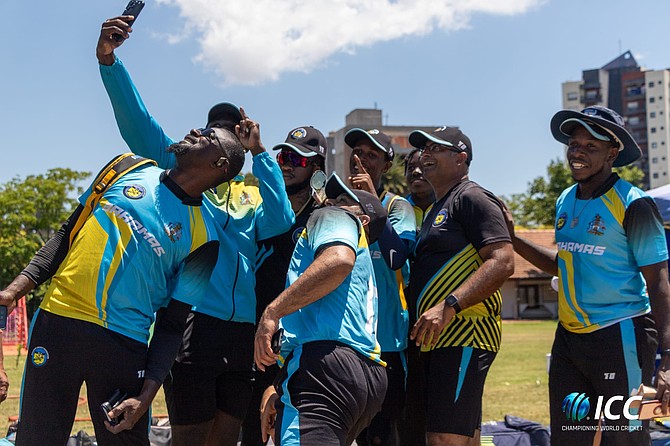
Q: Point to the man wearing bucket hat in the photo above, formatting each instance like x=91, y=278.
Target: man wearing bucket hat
x=210, y=386
x=301, y=158
x=372, y=154
x=332, y=380
x=463, y=256
x=612, y=272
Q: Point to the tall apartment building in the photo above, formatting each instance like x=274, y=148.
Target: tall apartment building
x=366, y=119
x=641, y=97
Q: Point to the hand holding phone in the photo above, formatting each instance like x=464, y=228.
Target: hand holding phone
x=111, y=403
x=133, y=8
x=275, y=342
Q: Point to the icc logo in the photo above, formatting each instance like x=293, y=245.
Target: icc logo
x=576, y=406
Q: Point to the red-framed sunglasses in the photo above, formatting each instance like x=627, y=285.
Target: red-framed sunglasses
x=292, y=158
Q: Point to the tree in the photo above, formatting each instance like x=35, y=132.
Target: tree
x=32, y=211
x=394, y=178
x=537, y=206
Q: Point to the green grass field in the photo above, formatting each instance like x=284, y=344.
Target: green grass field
x=516, y=384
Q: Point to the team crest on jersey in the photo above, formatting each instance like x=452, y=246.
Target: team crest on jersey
x=560, y=221
x=298, y=133
x=440, y=218
x=134, y=191
x=245, y=199
x=173, y=231
x=597, y=226
x=39, y=356
x=296, y=234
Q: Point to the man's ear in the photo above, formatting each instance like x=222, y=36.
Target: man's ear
x=364, y=219
x=387, y=166
x=614, y=153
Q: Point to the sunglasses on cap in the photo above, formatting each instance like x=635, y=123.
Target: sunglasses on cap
x=292, y=158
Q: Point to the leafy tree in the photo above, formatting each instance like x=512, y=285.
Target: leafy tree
x=537, y=206
x=32, y=210
x=394, y=178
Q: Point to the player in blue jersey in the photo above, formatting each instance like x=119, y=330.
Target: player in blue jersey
x=613, y=277
x=210, y=387
x=302, y=158
x=148, y=246
x=332, y=380
x=463, y=256
x=371, y=155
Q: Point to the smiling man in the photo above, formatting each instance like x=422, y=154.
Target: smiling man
x=612, y=272
x=463, y=257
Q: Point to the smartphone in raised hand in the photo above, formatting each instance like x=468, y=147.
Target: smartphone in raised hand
x=133, y=8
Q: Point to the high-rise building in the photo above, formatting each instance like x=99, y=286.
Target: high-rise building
x=641, y=97
x=366, y=119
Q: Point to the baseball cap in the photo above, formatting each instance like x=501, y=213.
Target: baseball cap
x=379, y=139
x=224, y=109
x=370, y=204
x=306, y=140
x=448, y=136
x=602, y=123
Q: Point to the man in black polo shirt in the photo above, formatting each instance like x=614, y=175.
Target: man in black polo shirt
x=463, y=256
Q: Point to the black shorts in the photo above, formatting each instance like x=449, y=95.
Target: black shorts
x=384, y=425
x=213, y=371
x=607, y=362
x=328, y=394
x=63, y=353
x=455, y=379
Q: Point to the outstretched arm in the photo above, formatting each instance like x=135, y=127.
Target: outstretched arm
x=540, y=256
x=138, y=128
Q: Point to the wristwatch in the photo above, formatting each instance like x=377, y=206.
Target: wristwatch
x=452, y=301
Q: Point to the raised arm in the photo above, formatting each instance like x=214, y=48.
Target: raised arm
x=138, y=128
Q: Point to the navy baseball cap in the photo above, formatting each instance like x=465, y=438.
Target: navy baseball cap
x=370, y=204
x=447, y=136
x=306, y=141
x=379, y=139
x=224, y=110
x=603, y=124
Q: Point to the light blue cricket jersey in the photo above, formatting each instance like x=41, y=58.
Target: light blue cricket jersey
x=600, y=255
x=393, y=317
x=348, y=314
x=239, y=210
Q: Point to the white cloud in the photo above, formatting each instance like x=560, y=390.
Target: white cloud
x=251, y=42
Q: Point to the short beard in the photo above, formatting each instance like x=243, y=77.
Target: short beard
x=296, y=188
x=178, y=148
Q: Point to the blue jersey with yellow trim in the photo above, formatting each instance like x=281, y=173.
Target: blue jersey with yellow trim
x=130, y=257
x=348, y=314
x=393, y=316
x=246, y=213
x=602, y=243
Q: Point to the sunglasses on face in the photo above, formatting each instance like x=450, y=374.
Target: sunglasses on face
x=292, y=158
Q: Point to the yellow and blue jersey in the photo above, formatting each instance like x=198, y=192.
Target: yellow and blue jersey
x=393, y=315
x=245, y=214
x=602, y=243
x=139, y=248
x=348, y=314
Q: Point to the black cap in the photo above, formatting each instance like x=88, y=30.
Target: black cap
x=379, y=139
x=370, y=204
x=224, y=109
x=305, y=140
x=447, y=136
x=603, y=124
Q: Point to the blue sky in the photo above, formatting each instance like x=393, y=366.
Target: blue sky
x=492, y=67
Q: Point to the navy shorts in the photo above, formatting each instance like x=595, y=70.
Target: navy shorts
x=63, y=354
x=213, y=371
x=607, y=362
x=455, y=379
x=328, y=393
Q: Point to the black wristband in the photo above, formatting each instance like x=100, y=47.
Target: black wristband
x=665, y=352
x=452, y=301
